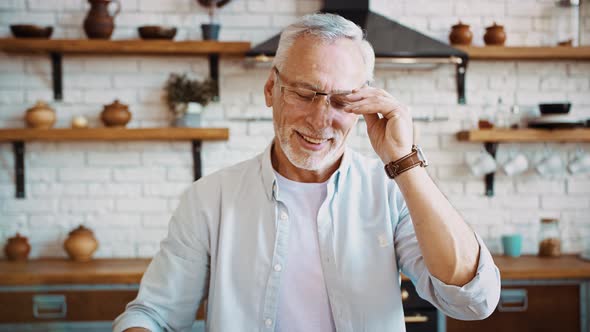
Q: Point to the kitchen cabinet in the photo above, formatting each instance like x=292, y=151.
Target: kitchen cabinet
x=69, y=307
x=539, y=294
x=535, y=307
x=419, y=315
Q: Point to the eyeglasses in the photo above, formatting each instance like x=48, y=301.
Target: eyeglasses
x=302, y=97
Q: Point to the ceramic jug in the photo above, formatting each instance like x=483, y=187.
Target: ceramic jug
x=81, y=244
x=460, y=34
x=17, y=248
x=495, y=35
x=115, y=114
x=40, y=116
x=99, y=23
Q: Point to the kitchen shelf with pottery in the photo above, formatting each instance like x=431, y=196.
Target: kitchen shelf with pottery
x=99, y=25
x=494, y=49
x=115, y=116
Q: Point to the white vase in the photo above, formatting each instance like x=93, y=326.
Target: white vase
x=191, y=115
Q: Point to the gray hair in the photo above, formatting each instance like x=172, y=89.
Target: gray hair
x=327, y=27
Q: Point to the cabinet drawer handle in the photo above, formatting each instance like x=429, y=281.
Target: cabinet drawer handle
x=49, y=306
x=405, y=294
x=513, y=300
x=416, y=319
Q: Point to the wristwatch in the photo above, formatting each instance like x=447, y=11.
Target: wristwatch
x=409, y=161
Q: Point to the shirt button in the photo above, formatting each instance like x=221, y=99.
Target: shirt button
x=278, y=267
x=284, y=216
x=268, y=322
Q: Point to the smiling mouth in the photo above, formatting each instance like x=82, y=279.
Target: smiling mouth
x=312, y=140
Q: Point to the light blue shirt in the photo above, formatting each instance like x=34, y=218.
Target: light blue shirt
x=229, y=233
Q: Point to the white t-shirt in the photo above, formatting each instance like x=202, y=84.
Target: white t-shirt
x=303, y=299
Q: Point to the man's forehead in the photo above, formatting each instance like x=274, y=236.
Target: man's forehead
x=313, y=63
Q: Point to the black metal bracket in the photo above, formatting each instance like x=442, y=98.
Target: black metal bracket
x=214, y=71
x=57, y=75
x=490, y=147
x=19, y=167
x=461, y=69
x=19, y=164
x=196, y=147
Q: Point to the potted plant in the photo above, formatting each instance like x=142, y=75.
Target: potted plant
x=187, y=98
x=211, y=30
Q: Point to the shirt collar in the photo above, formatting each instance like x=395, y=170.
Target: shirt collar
x=269, y=180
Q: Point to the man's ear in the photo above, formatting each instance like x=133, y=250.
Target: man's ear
x=268, y=89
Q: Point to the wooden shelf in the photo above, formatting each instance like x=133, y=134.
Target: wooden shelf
x=526, y=53
x=18, y=137
x=114, y=134
x=56, y=48
x=492, y=137
x=132, y=46
x=57, y=271
x=525, y=135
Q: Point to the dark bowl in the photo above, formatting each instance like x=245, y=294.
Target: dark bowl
x=156, y=32
x=556, y=108
x=31, y=31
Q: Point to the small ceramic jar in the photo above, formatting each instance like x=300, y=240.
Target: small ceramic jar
x=40, y=116
x=17, y=248
x=460, y=34
x=81, y=244
x=495, y=35
x=115, y=114
x=79, y=122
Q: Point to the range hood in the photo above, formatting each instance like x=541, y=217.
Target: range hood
x=392, y=41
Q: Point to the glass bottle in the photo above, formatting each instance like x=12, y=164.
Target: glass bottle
x=549, y=238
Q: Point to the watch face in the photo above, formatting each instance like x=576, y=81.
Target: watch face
x=422, y=157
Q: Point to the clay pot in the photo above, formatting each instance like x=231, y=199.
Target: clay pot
x=99, y=24
x=115, y=115
x=40, y=116
x=17, y=248
x=460, y=34
x=495, y=35
x=81, y=244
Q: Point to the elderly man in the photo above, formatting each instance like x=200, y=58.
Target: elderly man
x=309, y=235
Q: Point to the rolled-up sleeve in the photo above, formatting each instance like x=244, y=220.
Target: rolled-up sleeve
x=175, y=281
x=475, y=300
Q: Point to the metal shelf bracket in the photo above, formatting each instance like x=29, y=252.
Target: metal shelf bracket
x=196, y=148
x=461, y=70
x=57, y=75
x=19, y=167
x=490, y=147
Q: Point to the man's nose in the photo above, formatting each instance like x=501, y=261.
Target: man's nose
x=320, y=114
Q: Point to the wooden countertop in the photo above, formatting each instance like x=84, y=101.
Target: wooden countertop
x=129, y=271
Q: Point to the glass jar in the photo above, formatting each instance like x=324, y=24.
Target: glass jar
x=549, y=238
x=502, y=116
x=566, y=23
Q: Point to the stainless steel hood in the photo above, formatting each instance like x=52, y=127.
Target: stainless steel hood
x=392, y=41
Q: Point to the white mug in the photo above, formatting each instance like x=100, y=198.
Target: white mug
x=580, y=164
x=482, y=163
x=550, y=166
x=516, y=165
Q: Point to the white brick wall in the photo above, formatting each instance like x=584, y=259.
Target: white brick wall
x=126, y=191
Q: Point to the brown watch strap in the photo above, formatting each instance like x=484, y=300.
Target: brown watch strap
x=403, y=164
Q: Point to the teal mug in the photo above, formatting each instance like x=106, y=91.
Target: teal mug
x=512, y=244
